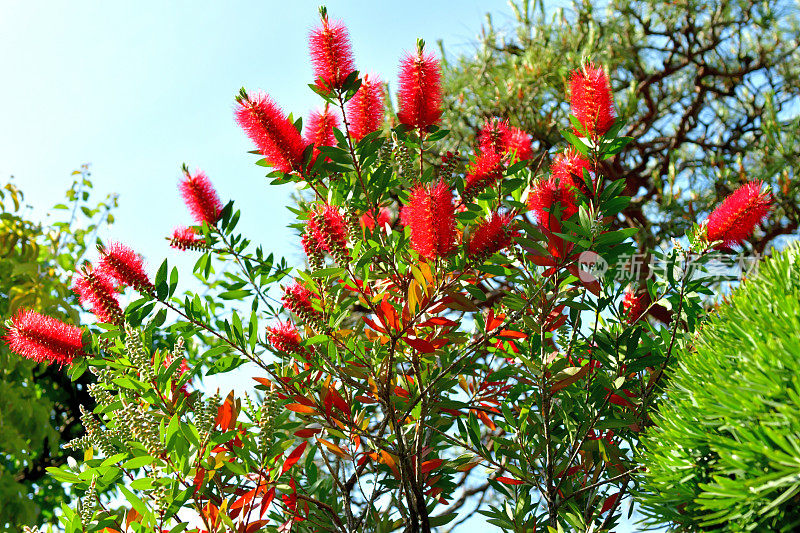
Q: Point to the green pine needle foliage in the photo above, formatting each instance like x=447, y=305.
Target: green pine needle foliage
x=725, y=452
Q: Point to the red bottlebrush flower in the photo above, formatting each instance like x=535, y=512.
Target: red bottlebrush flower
x=487, y=169
x=43, y=338
x=591, y=99
x=420, y=92
x=405, y=215
x=498, y=137
x=97, y=289
x=284, y=337
x=329, y=229
x=490, y=236
x=299, y=300
x=200, y=197
x=547, y=198
x=184, y=238
x=431, y=215
x=568, y=168
x=384, y=217
x=124, y=265
x=365, y=109
x=331, y=54
x=319, y=130
x=270, y=130
x=634, y=306
x=736, y=217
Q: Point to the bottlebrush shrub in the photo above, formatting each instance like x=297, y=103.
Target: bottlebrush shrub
x=458, y=346
x=722, y=455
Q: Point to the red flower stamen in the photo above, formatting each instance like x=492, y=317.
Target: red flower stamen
x=97, y=290
x=269, y=129
x=738, y=215
x=328, y=228
x=319, y=130
x=284, y=337
x=365, y=110
x=498, y=137
x=487, y=169
x=431, y=215
x=331, y=54
x=200, y=197
x=490, y=236
x=384, y=217
x=634, y=306
x=300, y=301
x=184, y=238
x=43, y=339
x=420, y=92
x=568, y=167
x=126, y=266
x=591, y=99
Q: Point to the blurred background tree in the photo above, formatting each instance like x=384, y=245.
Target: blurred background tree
x=709, y=90
x=39, y=403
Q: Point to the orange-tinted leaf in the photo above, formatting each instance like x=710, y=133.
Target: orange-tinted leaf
x=302, y=409
x=433, y=464
x=334, y=449
x=373, y=325
x=420, y=345
x=609, y=502
x=511, y=334
x=294, y=457
x=306, y=433
x=509, y=480
x=573, y=374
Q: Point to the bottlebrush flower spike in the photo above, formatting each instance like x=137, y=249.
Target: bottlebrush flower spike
x=184, y=238
x=43, y=338
x=736, y=217
x=319, y=130
x=497, y=136
x=568, y=167
x=487, y=169
x=124, y=265
x=331, y=53
x=329, y=228
x=634, y=306
x=312, y=246
x=284, y=337
x=300, y=301
x=431, y=215
x=548, y=198
x=591, y=99
x=384, y=217
x=420, y=91
x=365, y=110
x=269, y=129
x=490, y=236
x=200, y=197
x=97, y=290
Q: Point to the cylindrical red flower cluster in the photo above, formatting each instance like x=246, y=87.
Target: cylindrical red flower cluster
x=431, y=215
x=328, y=228
x=319, y=130
x=634, y=306
x=738, y=215
x=591, y=99
x=200, y=197
x=266, y=125
x=331, y=54
x=184, y=238
x=487, y=169
x=490, y=236
x=43, y=339
x=124, y=265
x=552, y=202
x=299, y=300
x=568, y=167
x=497, y=136
x=98, y=290
x=284, y=337
x=365, y=110
x=420, y=91
x=384, y=217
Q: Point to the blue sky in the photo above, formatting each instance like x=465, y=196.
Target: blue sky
x=137, y=88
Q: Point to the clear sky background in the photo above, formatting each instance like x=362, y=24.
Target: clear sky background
x=137, y=88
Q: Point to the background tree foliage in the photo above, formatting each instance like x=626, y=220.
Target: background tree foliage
x=726, y=446
x=39, y=403
x=709, y=90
